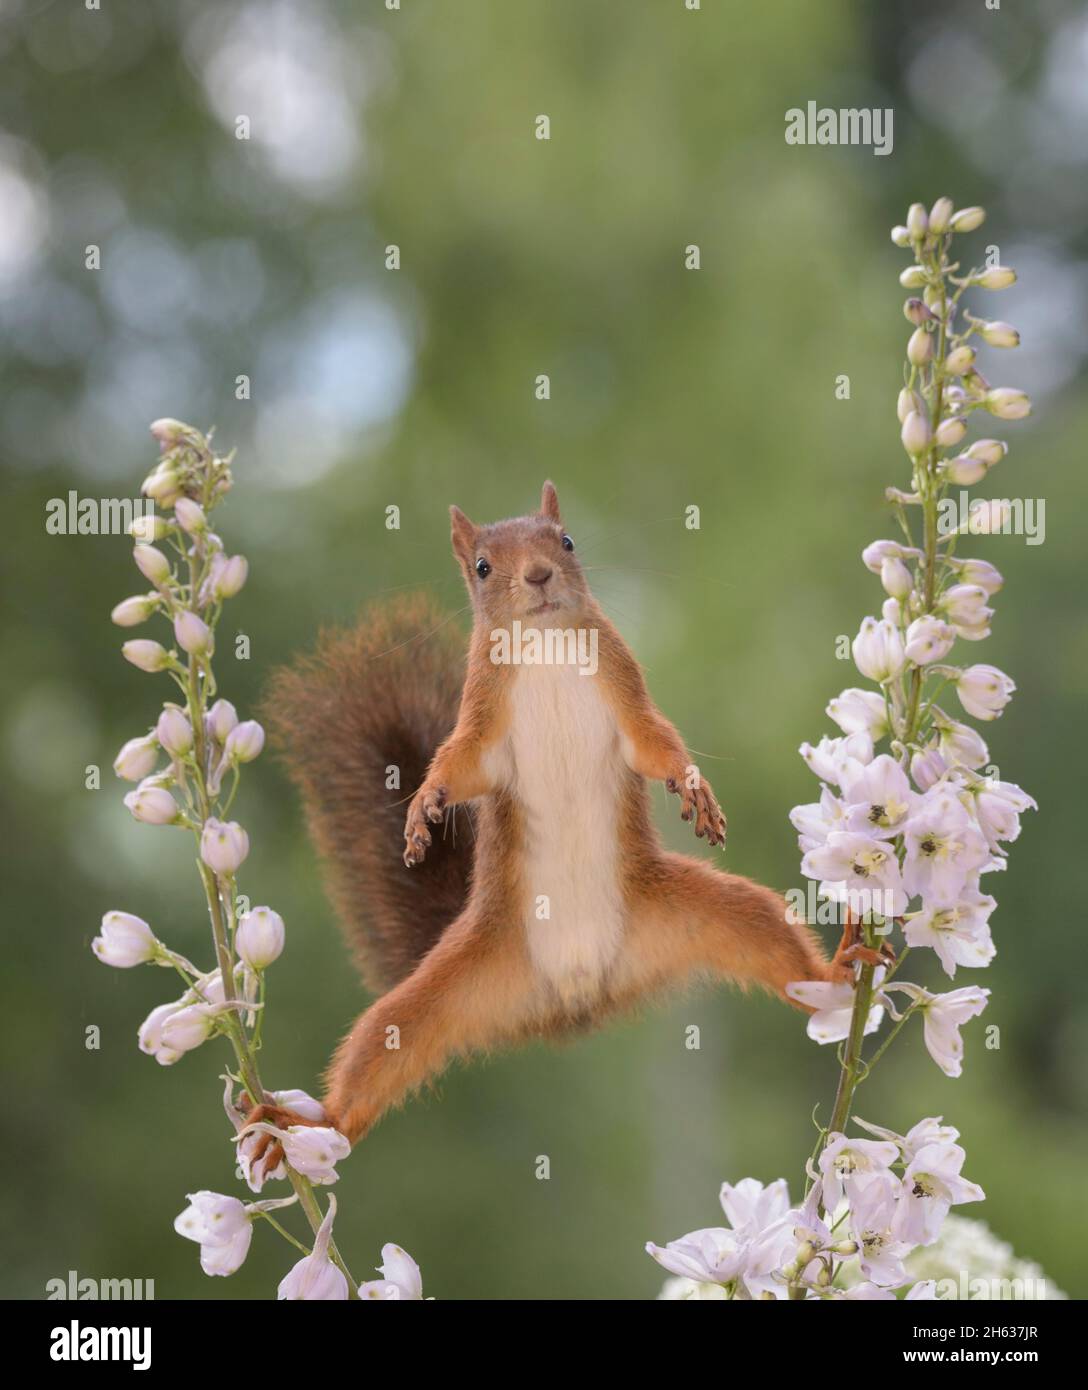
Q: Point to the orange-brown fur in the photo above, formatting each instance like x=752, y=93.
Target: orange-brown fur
x=469, y=984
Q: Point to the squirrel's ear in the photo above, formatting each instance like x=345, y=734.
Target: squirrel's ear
x=549, y=502
x=463, y=535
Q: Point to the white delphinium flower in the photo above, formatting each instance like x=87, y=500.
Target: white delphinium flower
x=959, y=934
x=221, y=1226
x=859, y=868
x=943, y=1015
x=931, y=1186
x=816, y=820
x=845, y=1163
x=400, y=1279
x=931, y=1130
x=315, y=1278
x=943, y=848
x=837, y=760
x=312, y=1150
x=872, y=1210
x=727, y=1256
x=879, y=800
x=998, y=806
x=832, y=1002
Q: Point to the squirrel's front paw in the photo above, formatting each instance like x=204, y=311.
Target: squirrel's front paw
x=264, y=1154
x=427, y=805
x=697, y=802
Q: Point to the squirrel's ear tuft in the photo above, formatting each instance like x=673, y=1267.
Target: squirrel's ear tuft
x=549, y=502
x=463, y=535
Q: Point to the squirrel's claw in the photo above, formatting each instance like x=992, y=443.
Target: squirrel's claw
x=698, y=803
x=428, y=804
x=266, y=1153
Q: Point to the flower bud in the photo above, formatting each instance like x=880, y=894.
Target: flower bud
x=147, y=655
x=920, y=347
x=908, y=401
x=988, y=518
x=940, y=215
x=988, y=578
x=896, y=578
x=913, y=278
x=964, y=470
x=878, y=650
x=163, y=486
x=900, y=236
x=152, y=563
x=193, y=634
x=168, y=432
x=260, y=937
x=984, y=691
x=915, y=311
x=927, y=768
x=174, y=731
x=951, y=431
x=152, y=805
x=874, y=554
x=967, y=219
x=933, y=294
x=190, y=516
x=928, y=639
x=917, y=221
x=232, y=576
x=125, y=941
x=149, y=528
x=244, y=742
x=997, y=277
x=959, y=359
x=187, y=1028
x=998, y=334
x=222, y=717
x=915, y=434
x=988, y=451
x=1008, y=403
x=131, y=612
x=137, y=759
x=223, y=845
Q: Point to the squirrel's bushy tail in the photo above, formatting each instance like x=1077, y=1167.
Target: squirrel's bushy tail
x=367, y=700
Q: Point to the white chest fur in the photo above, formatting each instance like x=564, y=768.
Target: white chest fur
x=565, y=768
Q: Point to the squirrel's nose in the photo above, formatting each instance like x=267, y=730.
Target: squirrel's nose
x=538, y=574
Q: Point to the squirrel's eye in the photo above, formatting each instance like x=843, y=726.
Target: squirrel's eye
x=483, y=569
x=568, y=544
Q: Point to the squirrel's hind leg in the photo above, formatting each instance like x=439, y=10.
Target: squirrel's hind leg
x=472, y=991
x=688, y=917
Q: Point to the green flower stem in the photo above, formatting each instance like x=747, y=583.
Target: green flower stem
x=230, y=1022
x=854, y=1068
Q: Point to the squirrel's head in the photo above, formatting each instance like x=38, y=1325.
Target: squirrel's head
x=524, y=568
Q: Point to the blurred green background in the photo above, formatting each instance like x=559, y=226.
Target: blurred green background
x=266, y=257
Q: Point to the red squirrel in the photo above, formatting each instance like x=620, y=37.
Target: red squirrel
x=546, y=902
